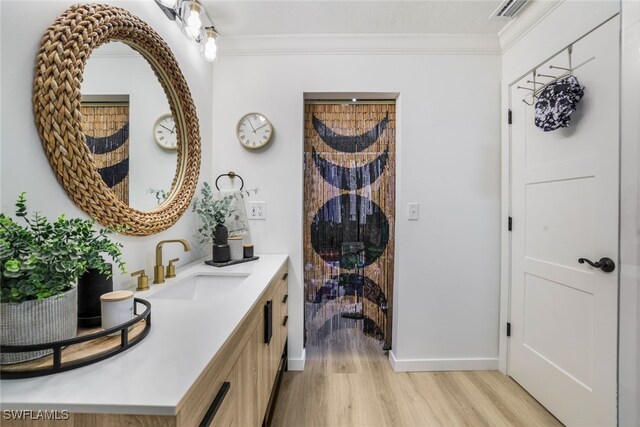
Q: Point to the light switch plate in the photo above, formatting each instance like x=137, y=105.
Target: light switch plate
x=413, y=212
x=257, y=210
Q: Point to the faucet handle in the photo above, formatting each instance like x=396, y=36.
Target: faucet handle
x=143, y=280
x=171, y=268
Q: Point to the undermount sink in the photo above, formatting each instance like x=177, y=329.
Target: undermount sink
x=202, y=287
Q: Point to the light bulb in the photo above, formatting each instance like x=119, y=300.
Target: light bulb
x=191, y=32
x=210, y=49
x=193, y=21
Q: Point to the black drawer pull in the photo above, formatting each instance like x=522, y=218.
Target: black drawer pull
x=217, y=402
x=285, y=276
x=268, y=321
x=284, y=300
x=286, y=319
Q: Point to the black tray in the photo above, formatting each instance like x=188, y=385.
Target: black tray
x=54, y=363
x=236, y=261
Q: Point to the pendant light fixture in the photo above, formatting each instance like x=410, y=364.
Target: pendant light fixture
x=195, y=23
x=209, y=48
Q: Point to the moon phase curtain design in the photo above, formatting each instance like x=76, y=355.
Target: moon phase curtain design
x=106, y=128
x=349, y=199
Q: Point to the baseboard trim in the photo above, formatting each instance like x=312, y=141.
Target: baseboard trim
x=426, y=365
x=298, y=364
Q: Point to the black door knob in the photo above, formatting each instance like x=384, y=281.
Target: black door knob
x=605, y=264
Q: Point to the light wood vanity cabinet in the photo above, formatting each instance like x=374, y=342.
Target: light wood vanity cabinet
x=254, y=373
x=271, y=353
x=235, y=387
x=245, y=376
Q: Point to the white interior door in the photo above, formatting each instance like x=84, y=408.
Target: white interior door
x=563, y=343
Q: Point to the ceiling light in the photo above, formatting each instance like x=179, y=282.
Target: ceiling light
x=209, y=48
x=191, y=20
x=192, y=17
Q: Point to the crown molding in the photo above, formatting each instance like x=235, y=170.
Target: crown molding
x=359, y=44
x=525, y=21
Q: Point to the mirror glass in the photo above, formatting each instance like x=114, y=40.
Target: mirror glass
x=128, y=126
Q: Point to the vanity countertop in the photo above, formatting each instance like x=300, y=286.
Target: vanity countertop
x=152, y=377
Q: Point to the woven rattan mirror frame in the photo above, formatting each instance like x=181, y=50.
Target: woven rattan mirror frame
x=60, y=62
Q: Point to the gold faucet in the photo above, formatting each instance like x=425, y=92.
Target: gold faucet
x=158, y=270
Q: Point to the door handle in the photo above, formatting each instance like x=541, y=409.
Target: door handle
x=605, y=264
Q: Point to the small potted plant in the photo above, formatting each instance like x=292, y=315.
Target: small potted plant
x=214, y=211
x=40, y=264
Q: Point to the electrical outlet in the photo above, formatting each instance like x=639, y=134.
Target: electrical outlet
x=257, y=210
x=413, y=211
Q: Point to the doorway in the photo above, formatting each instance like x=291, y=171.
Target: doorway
x=349, y=219
x=565, y=209
x=105, y=123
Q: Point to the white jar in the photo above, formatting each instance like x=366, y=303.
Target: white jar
x=117, y=308
x=235, y=247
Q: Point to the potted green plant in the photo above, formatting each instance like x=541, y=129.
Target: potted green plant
x=40, y=264
x=214, y=210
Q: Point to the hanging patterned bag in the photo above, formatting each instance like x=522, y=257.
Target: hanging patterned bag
x=557, y=102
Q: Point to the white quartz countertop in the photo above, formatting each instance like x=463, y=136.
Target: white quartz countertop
x=153, y=376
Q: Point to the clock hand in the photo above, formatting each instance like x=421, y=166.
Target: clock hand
x=261, y=126
x=166, y=128
x=252, y=128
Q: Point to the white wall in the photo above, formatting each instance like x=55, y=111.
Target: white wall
x=629, y=368
x=128, y=73
x=446, y=290
x=24, y=166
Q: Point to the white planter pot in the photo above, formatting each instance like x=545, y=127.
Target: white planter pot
x=38, y=322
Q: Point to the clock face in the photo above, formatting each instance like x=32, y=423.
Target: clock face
x=164, y=132
x=254, y=130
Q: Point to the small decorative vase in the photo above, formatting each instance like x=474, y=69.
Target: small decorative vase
x=221, y=251
x=38, y=322
x=221, y=235
x=235, y=247
x=91, y=285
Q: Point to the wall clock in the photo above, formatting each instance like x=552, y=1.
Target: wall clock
x=254, y=131
x=164, y=132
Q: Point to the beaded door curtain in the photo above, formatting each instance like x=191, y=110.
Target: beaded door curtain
x=349, y=199
x=106, y=128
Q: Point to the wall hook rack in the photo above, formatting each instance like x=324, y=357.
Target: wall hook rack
x=532, y=89
x=536, y=91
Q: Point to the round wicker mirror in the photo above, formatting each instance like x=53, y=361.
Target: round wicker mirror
x=60, y=62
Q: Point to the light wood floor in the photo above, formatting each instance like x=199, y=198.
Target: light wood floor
x=349, y=382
